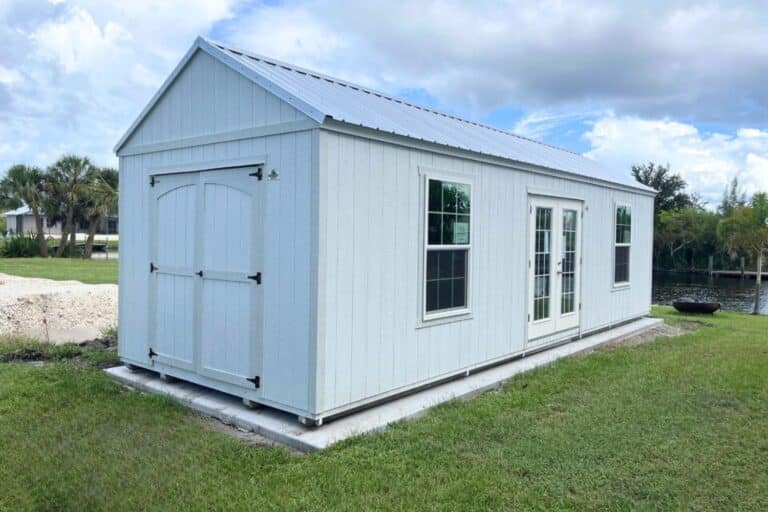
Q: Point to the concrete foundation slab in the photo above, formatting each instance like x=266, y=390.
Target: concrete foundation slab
x=285, y=428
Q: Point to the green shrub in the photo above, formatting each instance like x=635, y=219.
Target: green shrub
x=20, y=246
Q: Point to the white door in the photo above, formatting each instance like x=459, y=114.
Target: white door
x=230, y=309
x=173, y=238
x=554, y=266
x=205, y=293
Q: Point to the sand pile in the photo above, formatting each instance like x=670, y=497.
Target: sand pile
x=72, y=310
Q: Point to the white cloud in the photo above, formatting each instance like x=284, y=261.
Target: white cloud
x=707, y=161
x=9, y=76
x=76, y=44
x=74, y=74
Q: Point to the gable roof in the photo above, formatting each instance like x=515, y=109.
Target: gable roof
x=322, y=97
x=21, y=210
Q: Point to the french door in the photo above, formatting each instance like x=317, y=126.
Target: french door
x=554, y=265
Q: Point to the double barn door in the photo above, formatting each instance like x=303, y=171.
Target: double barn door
x=205, y=300
x=554, y=266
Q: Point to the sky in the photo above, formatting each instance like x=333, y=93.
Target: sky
x=676, y=82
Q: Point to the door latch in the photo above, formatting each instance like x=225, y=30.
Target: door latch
x=259, y=174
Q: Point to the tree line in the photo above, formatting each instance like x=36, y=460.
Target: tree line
x=687, y=234
x=72, y=191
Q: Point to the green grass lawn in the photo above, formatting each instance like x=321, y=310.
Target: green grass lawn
x=678, y=423
x=87, y=271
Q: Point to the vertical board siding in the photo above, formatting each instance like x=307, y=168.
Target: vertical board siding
x=371, y=253
x=208, y=97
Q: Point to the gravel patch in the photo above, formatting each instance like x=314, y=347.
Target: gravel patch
x=56, y=311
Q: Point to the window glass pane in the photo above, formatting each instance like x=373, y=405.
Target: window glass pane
x=446, y=264
x=435, y=196
x=542, y=263
x=431, y=295
x=461, y=230
x=446, y=279
x=432, y=265
x=448, y=221
x=623, y=225
x=444, y=293
x=459, y=263
x=463, y=200
x=449, y=197
x=621, y=272
x=459, y=289
x=434, y=229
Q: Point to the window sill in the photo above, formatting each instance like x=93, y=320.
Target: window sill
x=620, y=286
x=459, y=316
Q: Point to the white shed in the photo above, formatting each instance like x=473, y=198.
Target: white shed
x=316, y=246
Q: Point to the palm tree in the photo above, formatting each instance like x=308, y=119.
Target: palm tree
x=71, y=176
x=746, y=229
x=99, y=200
x=24, y=185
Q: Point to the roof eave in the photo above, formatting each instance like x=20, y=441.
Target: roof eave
x=335, y=124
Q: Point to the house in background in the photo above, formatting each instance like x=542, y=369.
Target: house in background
x=317, y=246
x=21, y=221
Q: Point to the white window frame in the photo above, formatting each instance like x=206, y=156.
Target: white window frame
x=621, y=284
x=465, y=312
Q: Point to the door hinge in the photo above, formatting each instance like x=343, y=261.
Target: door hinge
x=579, y=306
x=259, y=174
x=199, y=273
x=152, y=267
x=256, y=277
x=152, y=181
x=256, y=381
x=529, y=317
x=152, y=353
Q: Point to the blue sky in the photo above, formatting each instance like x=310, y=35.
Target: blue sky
x=674, y=82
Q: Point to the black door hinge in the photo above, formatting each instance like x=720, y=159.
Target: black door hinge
x=152, y=267
x=259, y=174
x=199, y=273
x=152, y=353
x=152, y=181
x=256, y=277
x=256, y=381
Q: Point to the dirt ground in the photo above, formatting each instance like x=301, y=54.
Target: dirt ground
x=56, y=311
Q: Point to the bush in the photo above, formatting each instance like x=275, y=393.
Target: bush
x=20, y=246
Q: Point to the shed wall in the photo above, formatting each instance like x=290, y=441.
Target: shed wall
x=369, y=336
x=208, y=99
